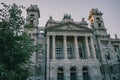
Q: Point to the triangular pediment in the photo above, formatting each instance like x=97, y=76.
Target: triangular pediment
x=69, y=26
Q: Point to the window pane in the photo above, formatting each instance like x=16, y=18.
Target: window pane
x=73, y=74
x=116, y=48
x=59, y=51
x=85, y=74
x=80, y=51
x=69, y=51
x=60, y=74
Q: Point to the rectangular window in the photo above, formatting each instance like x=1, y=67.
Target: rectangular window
x=105, y=44
x=99, y=24
x=116, y=48
x=107, y=56
x=69, y=51
x=80, y=51
x=111, y=69
x=59, y=52
x=31, y=21
x=38, y=71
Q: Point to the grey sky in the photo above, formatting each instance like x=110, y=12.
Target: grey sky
x=77, y=9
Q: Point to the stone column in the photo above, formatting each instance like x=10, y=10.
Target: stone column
x=87, y=46
x=48, y=46
x=67, y=73
x=53, y=47
x=93, y=48
x=76, y=47
x=65, y=47
x=48, y=58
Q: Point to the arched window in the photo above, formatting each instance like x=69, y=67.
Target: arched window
x=31, y=18
x=31, y=21
x=99, y=24
x=118, y=58
x=70, y=51
x=60, y=74
x=32, y=15
x=97, y=19
x=116, y=48
x=85, y=73
x=107, y=56
x=73, y=74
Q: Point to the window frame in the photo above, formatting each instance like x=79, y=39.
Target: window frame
x=70, y=51
x=59, y=51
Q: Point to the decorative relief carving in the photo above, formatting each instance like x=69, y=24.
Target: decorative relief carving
x=69, y=27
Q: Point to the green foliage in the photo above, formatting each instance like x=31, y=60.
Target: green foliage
x=29, y=26
x=16, y=47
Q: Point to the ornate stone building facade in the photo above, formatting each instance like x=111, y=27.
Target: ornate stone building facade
x=70, y=50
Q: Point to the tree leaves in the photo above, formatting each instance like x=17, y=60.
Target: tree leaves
x=16, y=47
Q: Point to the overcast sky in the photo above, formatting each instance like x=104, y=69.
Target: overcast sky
x=77, y=9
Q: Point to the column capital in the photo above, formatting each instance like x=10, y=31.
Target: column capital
x=47, y=35
x=86, y=36
x=53, y=35
x=75, y=36
x=64, y=35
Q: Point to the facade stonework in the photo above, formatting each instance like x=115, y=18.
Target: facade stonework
x=69, y=50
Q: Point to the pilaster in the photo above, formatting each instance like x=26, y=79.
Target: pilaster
x=76, y=47
x=65, y=47
x=87, y=46
x=93, y=48
x=53, y=47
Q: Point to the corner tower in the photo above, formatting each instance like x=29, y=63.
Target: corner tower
x=101, y=37
x=96, y=22
x=33, y=15
x=104, y=46
x=37, y=66
x=32, y=20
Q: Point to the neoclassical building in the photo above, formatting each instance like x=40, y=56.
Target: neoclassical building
x=70, y=50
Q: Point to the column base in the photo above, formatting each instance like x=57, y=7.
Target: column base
x=89, y=57
x=66, y=59
x=53, y=59
x=95, y=58
x=77, y=58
